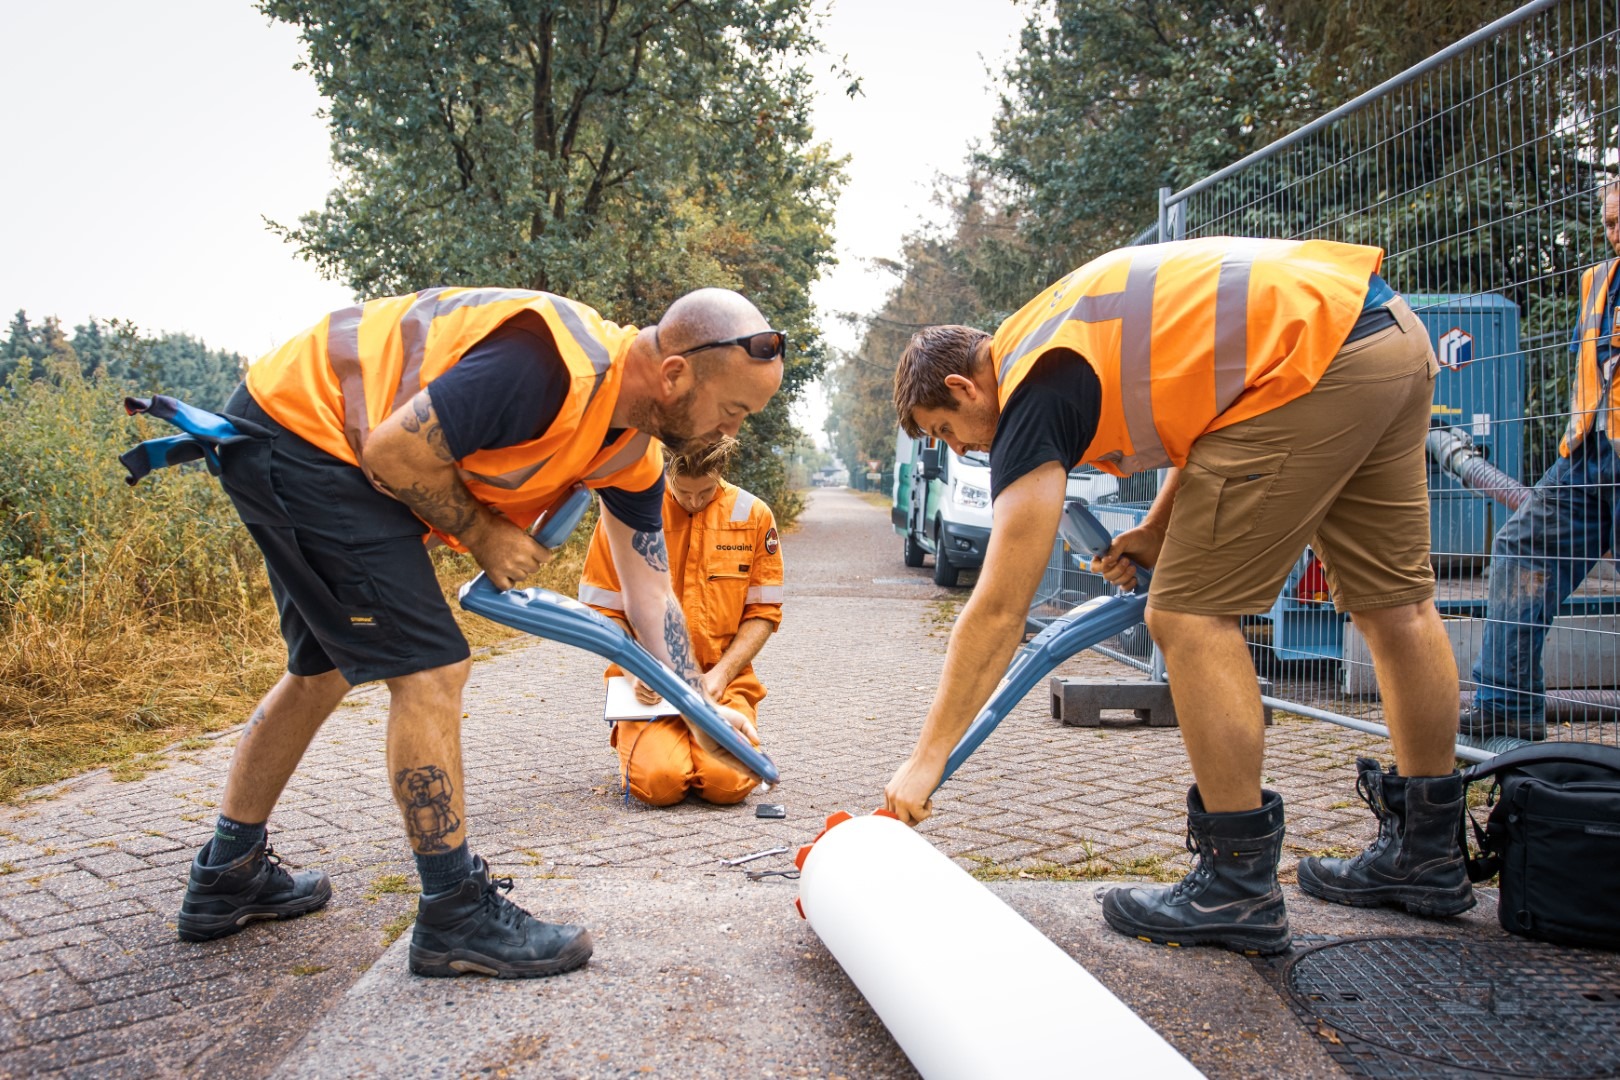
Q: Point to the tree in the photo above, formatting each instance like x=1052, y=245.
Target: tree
x=619, y=152
x=23, y=344
x=1107, y=100
x=939, y=282
x=175, y=364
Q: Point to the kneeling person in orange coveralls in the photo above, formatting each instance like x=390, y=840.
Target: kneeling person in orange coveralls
x=725, y=563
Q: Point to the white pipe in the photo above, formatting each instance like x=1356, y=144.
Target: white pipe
x=966, y=986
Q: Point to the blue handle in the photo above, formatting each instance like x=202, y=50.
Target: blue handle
x=558, y=521
x=560, y=618
x=1093, y=622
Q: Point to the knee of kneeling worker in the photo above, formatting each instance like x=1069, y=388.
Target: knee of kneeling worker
x=723, y=786
x=657, y=787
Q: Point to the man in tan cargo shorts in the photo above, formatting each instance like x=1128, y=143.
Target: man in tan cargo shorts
x=1288, y=388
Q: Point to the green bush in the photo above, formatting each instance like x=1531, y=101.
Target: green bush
x=77, y=541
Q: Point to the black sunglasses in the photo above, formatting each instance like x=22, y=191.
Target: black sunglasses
x=765, y=345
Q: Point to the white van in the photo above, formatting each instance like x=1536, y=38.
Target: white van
x=940, y=505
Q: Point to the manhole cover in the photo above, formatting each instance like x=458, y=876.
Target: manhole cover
x=1429, y=1007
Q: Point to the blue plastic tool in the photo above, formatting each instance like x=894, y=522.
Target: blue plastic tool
x=557, y=522
x=561, y=618
x=1094, y=621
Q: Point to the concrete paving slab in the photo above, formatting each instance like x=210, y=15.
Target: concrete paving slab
x=703, y=975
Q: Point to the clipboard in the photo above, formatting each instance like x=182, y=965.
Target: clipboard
x=621, y=704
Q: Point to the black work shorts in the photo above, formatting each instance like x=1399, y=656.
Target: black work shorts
x=348, y=568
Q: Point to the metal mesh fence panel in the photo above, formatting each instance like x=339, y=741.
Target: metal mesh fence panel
x=1483, y=173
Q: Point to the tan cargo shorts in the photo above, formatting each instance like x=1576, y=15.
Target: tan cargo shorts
x=1342, y=469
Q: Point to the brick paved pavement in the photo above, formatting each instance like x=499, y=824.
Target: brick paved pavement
x=92, y=979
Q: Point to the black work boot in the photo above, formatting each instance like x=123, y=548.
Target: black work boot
x=1417, y=860
x=474, y=929
x=1230, y=898
x=221, y=900
x=1475, y=723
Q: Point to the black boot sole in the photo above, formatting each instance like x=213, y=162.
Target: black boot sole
x=1430, y=903
x=456, y=962
x=212, y=927
x=1237, y=940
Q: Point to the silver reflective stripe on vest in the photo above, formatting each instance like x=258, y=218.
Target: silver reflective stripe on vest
x=764, y=594
x=413, y=333
x=1100, y=308
x=593, y=349
x=1232, y=328
x=343, y=353
x=744, y=504
x=1134, y=308
x=1136, y=364
x=591, y=594
x=509, y=481
x=480, y=297
x=630, y=452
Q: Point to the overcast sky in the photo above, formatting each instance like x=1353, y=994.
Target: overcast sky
x=148, y=142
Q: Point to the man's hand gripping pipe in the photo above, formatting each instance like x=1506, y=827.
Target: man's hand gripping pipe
x=1094, y=621
x=560, y=618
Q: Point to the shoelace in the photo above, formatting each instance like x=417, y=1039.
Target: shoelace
x=1198, y=877
x=496, y=903
x=1375, y=803
x=278, y=871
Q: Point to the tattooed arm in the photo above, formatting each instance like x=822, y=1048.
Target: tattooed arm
x=410, y=457
x=642, y=563
x=655, y=613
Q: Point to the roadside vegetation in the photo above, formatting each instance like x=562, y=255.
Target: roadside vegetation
x=131, y=618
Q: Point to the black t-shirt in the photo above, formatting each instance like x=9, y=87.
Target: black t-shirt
x=1052, y=416
x=508, y=389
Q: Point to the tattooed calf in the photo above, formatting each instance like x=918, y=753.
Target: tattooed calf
x=650, y=546
x=425, y=793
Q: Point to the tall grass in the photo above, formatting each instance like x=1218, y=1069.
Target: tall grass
x=130, y=618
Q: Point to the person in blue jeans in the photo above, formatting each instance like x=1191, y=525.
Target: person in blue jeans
x=1551, y=543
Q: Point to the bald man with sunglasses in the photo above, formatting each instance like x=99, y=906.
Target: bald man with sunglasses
x=458, y=414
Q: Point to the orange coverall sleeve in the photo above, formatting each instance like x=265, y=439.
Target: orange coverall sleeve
x=764, y=599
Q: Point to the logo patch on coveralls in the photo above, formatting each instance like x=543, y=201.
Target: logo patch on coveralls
x=771, y=543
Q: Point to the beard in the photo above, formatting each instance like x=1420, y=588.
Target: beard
x=672, y=426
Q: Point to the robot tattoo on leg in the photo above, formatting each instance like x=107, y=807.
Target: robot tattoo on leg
x=426, y=794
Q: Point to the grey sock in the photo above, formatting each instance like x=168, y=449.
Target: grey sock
x=441, y=873
x=232, y=840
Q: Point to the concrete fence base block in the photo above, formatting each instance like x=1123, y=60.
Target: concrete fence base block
x=1080, y=702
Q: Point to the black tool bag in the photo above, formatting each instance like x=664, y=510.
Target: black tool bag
x=1554, y=835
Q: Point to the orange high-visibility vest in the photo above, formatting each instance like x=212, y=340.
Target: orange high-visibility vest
x=725, y=564
x=1588, y=397
x=1191, y=336
x=333, y=384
